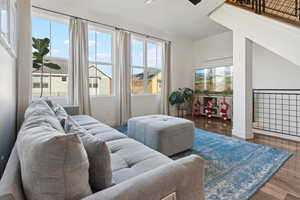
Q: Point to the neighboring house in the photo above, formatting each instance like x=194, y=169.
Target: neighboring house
x=99, y=82
x=153, y=85
x=55, y=82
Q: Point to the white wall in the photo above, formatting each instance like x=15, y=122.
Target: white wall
x=7, y=105
x=270, y=71
x=104, y=108
x=214, y=48
x=278, y=37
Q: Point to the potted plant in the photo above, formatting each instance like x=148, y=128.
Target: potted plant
x=180, y=97
x=39, y=63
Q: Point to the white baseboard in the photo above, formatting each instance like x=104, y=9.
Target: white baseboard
x=269, y=133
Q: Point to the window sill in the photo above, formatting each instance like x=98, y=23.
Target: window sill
x=138, y=95
x=101, y=96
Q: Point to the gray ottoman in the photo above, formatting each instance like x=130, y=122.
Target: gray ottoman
x=166, y=134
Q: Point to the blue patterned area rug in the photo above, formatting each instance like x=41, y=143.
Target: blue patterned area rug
x=234, y=169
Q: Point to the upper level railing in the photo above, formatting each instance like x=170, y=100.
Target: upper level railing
x=285, y=9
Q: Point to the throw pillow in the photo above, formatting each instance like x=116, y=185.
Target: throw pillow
x=60, y=113
x=100, y=170
x=54, y=166
x=40, y=114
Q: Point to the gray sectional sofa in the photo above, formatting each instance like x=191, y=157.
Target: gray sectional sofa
x=138, y=172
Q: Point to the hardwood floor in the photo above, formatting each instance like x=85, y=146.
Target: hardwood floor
x=285, y=184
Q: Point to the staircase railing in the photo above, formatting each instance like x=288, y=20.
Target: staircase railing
x=286, y=9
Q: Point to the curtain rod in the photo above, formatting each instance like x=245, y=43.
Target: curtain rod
x=96, y=22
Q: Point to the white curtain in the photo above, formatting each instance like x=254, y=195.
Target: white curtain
x=78, y=66
x=166, y=79
x=24, y=58
x=123, y=64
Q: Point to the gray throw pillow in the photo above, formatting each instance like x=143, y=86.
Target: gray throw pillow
x=100, y=170
x=54, y=166
x=60, y=113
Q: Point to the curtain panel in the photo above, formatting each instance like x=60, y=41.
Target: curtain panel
x=24, y=58
x=123, y=60
x=78, y=66
x=166, y=79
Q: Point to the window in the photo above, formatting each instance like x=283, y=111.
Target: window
x=214, y=80
x=55, y=82
x=101, y=61
x=146, y=61
x=4, y=17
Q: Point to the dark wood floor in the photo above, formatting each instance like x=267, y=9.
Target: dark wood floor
x=285, y=184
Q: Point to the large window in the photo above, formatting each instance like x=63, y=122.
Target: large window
x=214, y=80
x=101, y=61
x=55, y=82
x=146, y=61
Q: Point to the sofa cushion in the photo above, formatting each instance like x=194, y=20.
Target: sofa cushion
x=98, y=129
x=131, y=158
x=100, y=171
x=53, y=165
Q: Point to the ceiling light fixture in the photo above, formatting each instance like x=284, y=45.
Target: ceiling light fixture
x=149, y=1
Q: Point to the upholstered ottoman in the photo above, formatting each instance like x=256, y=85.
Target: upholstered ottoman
x=166, y=134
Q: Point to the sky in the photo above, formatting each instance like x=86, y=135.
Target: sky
x=100, y=45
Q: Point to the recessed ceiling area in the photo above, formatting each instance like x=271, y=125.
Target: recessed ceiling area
x=176, y=17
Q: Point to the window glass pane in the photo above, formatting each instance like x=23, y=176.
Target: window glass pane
x=59, y=40
x=59, y=85
x=154, y=55
x=36, y=85
x=40, y=28
x=200, y=80
x=92, y=46
x=100, y=79
x=137, y=80
x=137, y=53
x=104, y=47
x=159, y=56
x=55, y=82
x=3, y=16
x=214, y=80
x=154, y=81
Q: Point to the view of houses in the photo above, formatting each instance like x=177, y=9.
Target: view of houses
x=55, y=83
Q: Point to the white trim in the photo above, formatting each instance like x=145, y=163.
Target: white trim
x=218, y=62
x=269, y=133
x=7, y=46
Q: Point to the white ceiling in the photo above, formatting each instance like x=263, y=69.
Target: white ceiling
x=176, y=17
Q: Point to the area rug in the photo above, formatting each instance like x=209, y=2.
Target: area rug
x=234, y=169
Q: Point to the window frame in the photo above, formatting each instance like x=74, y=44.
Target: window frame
x=58, y=19
x=145, y=66
x=100, y=29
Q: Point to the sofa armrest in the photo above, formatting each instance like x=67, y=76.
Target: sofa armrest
x=184, y=177
x=11, y=184
x=71, y=109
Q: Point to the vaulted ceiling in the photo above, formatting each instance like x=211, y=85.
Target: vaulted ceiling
x=177, y=17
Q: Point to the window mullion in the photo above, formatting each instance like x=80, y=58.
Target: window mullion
x=50, y=32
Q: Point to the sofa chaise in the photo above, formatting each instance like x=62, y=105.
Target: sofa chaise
x=138, y=172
